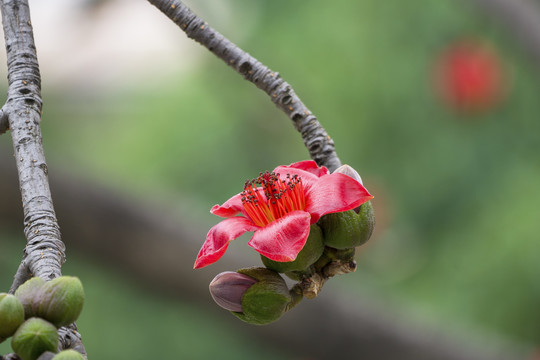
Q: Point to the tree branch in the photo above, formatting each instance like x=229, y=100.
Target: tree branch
x=316, y=140
x=44, y=252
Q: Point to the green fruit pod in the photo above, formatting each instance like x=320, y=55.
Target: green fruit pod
x=310, y=253
x=266, y=300
x=60, y=301
x=348, y=229
x=68, y=355
x=26, y=294
x=11, y=315
x=34, y=337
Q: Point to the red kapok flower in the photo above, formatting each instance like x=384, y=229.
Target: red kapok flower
x=469, y=76
x=281, y=210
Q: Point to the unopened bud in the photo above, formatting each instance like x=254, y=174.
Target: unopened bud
x=34, y=337
x=228, y=287
x=11, y=315
x=348, y=229
x=60, y=300
x=349, y=171
x=26, y=294
x=265, y=301
x=68, y=355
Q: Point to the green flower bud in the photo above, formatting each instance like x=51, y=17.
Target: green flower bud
x=68, y=355
x=34, y=337
x=228, y=287
x=348, y=229
x=266, y=300
x=11, y=315
x=60, y=300
x=26, y=294
x=310, y=253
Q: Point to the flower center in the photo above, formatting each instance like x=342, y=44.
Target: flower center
x=280, y=197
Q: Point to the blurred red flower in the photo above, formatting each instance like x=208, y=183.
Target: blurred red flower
x=468, y=76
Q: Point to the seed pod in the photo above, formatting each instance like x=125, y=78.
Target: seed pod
x=11, y=315
x=60, y=301
x=266, y=300
x=34, y=337
x=68, y=355
x=348, y=229
x=310, y=253
x=26, y=294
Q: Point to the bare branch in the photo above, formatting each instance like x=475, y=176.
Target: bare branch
x=316, y=140
x=44, y=252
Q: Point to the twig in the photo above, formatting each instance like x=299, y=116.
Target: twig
x=316, y=140
x=44, y=252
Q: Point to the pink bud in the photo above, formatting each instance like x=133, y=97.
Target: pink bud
x=228, y=287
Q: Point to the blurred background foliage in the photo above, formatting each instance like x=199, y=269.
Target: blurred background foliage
x=455, y=190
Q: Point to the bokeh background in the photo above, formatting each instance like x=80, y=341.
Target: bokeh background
x=448, y=148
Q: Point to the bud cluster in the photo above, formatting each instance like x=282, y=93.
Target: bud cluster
x=34, y=313
x=260, y=295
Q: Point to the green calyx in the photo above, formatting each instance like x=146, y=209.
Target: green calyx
x=60, y=301
x=266, y=300
x=310, y=253
x=34, y=337
x=348, y=229
x=11, y=315
x=26, y=294
x=68, y=355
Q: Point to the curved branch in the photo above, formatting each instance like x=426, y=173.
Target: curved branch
x=316, y=140
x=44, y=252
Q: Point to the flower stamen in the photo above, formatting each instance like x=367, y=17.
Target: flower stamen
x=273, y=199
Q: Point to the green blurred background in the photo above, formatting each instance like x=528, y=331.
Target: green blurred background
x=455, y=192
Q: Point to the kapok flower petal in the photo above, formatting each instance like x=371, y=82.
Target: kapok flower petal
x=334, y=193
x=282, y=239
x=310, y=166
x=218, y=239
x=229, y=208
x=308, y=178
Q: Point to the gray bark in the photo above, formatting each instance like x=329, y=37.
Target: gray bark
x=44, y=254
x=319, y=144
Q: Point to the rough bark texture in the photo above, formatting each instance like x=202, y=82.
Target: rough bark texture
x=317, y=141
x=44, y=252
x=116, y=229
